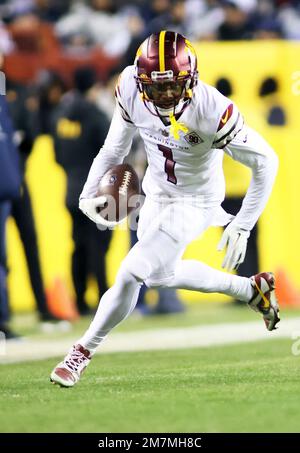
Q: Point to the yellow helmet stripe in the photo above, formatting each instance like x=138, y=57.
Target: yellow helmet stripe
x=161, y=51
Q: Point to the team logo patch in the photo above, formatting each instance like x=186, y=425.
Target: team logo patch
x=226, y=116
x=193, y=138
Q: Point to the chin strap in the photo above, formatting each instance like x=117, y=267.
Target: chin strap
x=176, y=127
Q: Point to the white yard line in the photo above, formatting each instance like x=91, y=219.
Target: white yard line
x=169, y=338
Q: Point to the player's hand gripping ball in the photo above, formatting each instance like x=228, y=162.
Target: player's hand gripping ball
x=120, y=190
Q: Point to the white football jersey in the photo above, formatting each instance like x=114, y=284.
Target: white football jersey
x=185, y=158
x=187, y=162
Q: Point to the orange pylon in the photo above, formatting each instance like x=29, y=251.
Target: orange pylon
x=59, y=301
x=288, y=295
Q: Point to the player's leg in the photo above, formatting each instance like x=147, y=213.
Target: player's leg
x=185, y=223
x=197, y=276
x=155, y=250
x=119, y=301
x=258, y=291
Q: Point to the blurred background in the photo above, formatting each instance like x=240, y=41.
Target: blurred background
x=61, y=60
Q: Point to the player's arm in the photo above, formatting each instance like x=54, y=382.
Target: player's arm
x=249, y=148
x=116, y=146
x=252, y=150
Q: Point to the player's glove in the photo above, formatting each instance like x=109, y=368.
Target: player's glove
x=91, y=208
x=235, y=239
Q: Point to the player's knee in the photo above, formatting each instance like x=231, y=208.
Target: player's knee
x=145, y=261
x=138, y=270
x=160, y=281
x=125, y=276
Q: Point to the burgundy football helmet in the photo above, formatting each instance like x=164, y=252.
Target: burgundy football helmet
x=166, y=73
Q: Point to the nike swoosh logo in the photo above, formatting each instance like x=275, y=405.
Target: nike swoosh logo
x=225, y=117
x=245, y=139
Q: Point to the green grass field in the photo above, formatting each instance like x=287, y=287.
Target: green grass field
x=233, y=389
x=196, y=314
x=251, y=387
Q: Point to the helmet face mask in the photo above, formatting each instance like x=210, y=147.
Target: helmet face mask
x=166, y=72
x=165, y=95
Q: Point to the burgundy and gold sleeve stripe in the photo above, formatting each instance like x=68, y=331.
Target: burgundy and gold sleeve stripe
x=124, y=113
x=230, y=124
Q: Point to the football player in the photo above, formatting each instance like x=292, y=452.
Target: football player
x=186, y=126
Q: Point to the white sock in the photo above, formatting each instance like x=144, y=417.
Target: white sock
x=115, y=305
x=197, y=276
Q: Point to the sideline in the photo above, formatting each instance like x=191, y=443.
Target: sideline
x=16, y=351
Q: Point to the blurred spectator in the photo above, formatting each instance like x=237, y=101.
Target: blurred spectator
x=165, y=15
x=264, y=22
x=6, y=41
x=47, y=10
x=9, y=10
x=99, y=23
x=106, y=33
x=51, y=10
x=236, y=21
x=289, y=18
x=205, y=20
x=79, y=132
x=267, y=29
x=154, y=8
x=47, y=93
x=21, y=209
x=106, y=94
x=247, y=6
x=10, y=180
x=173, y=19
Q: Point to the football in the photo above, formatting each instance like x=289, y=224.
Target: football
x=121, y=187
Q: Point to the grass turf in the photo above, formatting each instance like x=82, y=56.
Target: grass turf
x=242, y=388
x=196, y=314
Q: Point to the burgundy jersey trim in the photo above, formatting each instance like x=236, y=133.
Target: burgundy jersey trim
x=124, y=113
x=227, y=134
x=225, y=117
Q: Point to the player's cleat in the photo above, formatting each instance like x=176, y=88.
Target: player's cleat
x=68, y=372
x=264, y=299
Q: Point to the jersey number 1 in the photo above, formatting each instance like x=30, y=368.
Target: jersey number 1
x=169, y=163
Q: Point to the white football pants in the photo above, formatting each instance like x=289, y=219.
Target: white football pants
x=164, y=231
